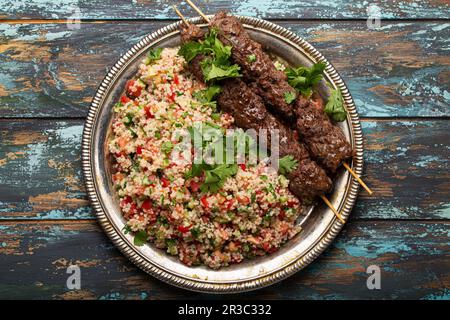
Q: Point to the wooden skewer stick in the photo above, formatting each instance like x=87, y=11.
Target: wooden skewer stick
x=346, y=166
x=174, y=7
x=336, y=213
x=198, y=10
x=327, y=202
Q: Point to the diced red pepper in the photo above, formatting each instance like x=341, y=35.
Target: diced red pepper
x=148, y=113
x=126, y=200
x=184, y=229
x=195, y=186
x=265, y=246
x=175, y=79
x=281, y=215
x=243, y=166
x=125, y=99
x=146, y=205
x=204, y=202
x=139, y=150
x=165, y=182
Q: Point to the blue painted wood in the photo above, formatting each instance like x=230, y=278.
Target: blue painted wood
x=412, y=257
x=40, y=170
x=287, y=9
x=400, y=70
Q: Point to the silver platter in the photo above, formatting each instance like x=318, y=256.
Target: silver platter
x=319, y=228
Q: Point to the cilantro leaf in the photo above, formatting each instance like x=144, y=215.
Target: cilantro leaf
x=206, y=96
x=335, y=106
x=289, y=97
x=217, y=64
x=304, y=79
x=211, y=71
x=190, y=50
x=140, y=238
x=287, y=164
x=216, y=177
x=153, y=55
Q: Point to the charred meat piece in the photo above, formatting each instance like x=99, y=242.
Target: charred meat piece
x=325, y=141
x=249, y=112
x=255, y=63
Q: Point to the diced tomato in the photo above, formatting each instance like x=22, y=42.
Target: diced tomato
x=195, y=186
x=230, y=204
x=291, y=204
x=171, y=97
x=282, y=215
x=243, y=166
x=133, y=90
x=265, y=246
x=126, y=200
x=139, y=150
x=165, y=182
x=125, y=99
x=147, y=205
x=148, y=113
x=175, y=79
x=204, y=202
x=243, y=200
x=184, y=229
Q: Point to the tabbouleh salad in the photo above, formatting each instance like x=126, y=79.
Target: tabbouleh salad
x=216, y=217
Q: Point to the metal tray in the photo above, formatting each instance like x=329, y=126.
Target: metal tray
x=319, y=228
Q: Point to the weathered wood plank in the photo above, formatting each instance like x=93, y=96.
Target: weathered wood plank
x=160, y=9
x=413, y=258
x=407, y=165
x=400, y=70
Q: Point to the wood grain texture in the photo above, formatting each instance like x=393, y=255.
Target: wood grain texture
x=407, y=165
x=403, y=69
x=287, y=9
x=413, y=258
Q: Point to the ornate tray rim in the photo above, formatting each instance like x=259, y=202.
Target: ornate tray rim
x=214, y=287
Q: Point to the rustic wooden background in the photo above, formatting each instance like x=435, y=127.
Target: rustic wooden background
x=399, y=76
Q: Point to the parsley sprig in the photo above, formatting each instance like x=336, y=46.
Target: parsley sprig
x=217, y=63
x=287, y=164
x=304, y=79
x=335, y=106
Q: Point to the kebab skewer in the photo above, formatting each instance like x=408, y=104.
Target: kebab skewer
x=308, y=179
x=325, y=141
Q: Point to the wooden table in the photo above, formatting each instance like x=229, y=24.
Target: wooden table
x=399, y=76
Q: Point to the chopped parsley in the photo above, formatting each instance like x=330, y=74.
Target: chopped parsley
x=335, y=106
x=287, y=164
x=251, y=58
x=206, y=96
x=167, y=147
x=153, y=55
x=289, y=97
x=304, y=79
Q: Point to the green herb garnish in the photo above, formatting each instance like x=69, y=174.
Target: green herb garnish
x=335, y=106
x=289, y=97
x=167, y=147
x=304, y=79
x=287, y=164
x=153, y=55
x=251, y=58
x=140, y=238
